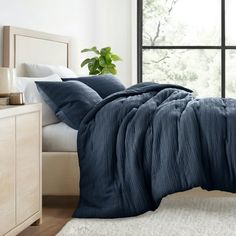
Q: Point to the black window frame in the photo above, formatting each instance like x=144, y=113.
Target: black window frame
x=141, y=47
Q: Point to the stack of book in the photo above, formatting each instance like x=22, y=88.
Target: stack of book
x=4, y=101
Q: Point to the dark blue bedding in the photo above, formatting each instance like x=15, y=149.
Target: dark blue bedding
x=137, y=146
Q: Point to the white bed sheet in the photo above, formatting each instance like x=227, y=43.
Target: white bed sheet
x=59, y=138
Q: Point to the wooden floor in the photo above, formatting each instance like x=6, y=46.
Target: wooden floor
x=56, y=212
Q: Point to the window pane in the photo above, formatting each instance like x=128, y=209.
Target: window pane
x=181, y=22
x=230, y=73
x=198, y=70
x=230, y=18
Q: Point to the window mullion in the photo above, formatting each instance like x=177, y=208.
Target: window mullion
x=140, y=41
x=223, y=48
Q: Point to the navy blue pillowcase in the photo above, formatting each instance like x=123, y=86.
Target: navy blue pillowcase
x=70, y=101
x=141, y=85
x=104, y=85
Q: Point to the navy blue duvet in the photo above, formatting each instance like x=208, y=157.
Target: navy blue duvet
x=137, y=146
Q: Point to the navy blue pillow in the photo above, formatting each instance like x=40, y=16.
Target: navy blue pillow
x=70, y=101
x=104, y=85
x=141, y=85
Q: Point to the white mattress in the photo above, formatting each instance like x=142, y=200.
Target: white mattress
x=59, y=138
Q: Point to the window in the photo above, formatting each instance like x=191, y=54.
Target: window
x=190, y=43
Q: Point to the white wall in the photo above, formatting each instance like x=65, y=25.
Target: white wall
x=65, y=17
x=88, y=22
x=114, y=28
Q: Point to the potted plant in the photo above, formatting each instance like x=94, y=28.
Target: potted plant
x=103, y=63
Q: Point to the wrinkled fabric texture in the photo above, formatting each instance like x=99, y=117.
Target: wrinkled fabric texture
x=70, y=101
x=141, y=85
x=138, y=146
x=104, y=85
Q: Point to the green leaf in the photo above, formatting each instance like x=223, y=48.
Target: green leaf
x=111, y=66
x=105, y=51
x=93, y=49
x=105, y=70
x=115, y=57
x=85, y=62
x=93, y=65
x=96, y=72
x=108, y=59
x=102, y=61
x=109, y=69
x=113, y=70
x=100, y=68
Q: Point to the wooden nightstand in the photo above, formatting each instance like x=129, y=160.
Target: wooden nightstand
x=20, y=168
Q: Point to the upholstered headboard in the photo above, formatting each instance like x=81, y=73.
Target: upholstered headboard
x=29, y=46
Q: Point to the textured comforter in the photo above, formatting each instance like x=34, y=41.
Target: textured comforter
x=137, y=146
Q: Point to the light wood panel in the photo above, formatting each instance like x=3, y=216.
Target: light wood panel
x=27, y=165
x=20, y=168
x=7, y=174
x=29, y=46
x=26, y=49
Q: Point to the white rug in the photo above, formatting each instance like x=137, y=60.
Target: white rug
x=175, y=217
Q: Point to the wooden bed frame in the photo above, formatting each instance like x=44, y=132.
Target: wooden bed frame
x=60, y=169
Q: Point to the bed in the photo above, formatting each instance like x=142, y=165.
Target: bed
x=60, y=164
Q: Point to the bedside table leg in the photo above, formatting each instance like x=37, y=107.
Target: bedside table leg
x=37, y=222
